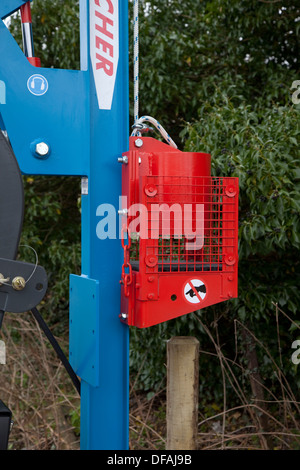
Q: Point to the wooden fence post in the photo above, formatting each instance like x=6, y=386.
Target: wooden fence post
x=182, y=392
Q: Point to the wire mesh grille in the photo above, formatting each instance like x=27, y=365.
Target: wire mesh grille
x=191, y=223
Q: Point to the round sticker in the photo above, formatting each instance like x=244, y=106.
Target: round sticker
x=37, y=85
x=194, y=291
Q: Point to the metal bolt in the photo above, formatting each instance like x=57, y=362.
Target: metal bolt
x=123, y=316
x=123, y=159
x=138, y=143
x=42, y=149
x=18, y=283
x=123, y=211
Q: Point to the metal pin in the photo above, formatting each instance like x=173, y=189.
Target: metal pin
x=123, y=159
x=123, y=211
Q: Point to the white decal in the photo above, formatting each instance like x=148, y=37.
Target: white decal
x=104, y=37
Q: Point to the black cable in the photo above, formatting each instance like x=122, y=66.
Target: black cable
x=57, y=348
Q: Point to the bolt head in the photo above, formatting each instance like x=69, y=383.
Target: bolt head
x=123, y=159
x=42, y=149
x=18, y=283
x=138, y=143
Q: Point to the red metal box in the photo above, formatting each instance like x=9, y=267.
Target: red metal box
x=180, y=234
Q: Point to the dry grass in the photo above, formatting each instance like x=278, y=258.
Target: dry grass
x=262, y=422
x=45, y=405
x=35, y=386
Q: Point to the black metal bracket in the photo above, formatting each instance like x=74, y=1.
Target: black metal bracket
x=24, y=287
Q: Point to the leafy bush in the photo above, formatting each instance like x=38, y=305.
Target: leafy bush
x=258, y=145
x=217, y=74
x=52, y=226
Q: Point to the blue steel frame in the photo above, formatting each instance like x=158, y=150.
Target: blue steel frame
x=84, y=141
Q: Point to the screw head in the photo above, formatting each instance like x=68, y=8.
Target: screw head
x=229, y=259
x=230, y=191
x=42, y=149
x=151, y=260
x=138, y=143
x=150, y=190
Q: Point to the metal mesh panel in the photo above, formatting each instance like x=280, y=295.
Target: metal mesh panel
x=191, y=223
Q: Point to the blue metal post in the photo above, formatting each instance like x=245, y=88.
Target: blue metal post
x=104, y=408
x=83, y=116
